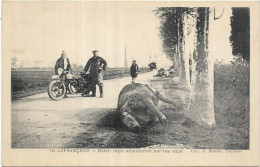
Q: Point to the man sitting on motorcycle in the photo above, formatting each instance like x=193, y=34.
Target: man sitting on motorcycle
x=63, y=63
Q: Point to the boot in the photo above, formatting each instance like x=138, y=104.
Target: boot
x=101, y=91
x=94, y=91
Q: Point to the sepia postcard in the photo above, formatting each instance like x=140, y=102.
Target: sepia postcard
x=130, y=83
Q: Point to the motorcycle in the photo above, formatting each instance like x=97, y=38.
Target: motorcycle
x=67, y=83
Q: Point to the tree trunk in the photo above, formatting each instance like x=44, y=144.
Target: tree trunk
x=183, y=58
x=176, y=60
x=201, y=105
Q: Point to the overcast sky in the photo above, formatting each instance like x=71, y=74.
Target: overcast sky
x=38, y=32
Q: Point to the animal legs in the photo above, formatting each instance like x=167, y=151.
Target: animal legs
x=154, y=111
x=160, y=96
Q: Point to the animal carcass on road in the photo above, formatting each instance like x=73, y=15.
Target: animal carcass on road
x=137, y=106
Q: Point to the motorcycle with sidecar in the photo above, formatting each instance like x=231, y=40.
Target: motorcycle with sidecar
x=67, y=83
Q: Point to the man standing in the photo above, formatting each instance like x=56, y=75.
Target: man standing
x=97, y=65
x=63, y=63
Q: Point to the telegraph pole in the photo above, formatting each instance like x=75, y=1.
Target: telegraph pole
x=126, y=66
x=140, y=57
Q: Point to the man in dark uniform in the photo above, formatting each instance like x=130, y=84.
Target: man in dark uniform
x=97, y=65
x=63, y=63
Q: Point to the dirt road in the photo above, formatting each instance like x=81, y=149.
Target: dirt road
x=39, y=122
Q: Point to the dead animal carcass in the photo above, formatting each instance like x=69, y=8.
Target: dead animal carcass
x=137, y=106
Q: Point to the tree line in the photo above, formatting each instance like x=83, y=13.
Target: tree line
x=186, y=35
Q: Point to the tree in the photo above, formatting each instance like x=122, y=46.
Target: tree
x=168, y=30
x=187, y=31
x=184, y=81
x=240, y=33
x=173, y=32
x=201, y=105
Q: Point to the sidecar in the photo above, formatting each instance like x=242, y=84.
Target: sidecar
x=85, y=84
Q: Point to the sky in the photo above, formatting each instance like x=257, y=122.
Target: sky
x=220, y=29
x=37, y=33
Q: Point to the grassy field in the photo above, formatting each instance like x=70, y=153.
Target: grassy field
x=29, y=82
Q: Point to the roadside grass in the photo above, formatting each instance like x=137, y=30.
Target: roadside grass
x=235, y=75
x=232, y=100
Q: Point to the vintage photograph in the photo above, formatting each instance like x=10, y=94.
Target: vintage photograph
x=92, y=75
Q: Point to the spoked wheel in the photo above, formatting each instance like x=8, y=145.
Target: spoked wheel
x=56, y=90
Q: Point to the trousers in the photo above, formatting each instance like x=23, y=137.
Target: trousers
x=97, y=79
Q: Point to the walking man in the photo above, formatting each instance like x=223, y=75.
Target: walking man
x=97, y=65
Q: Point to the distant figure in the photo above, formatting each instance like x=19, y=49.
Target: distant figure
x=134, y=71
x=152, y=66
x=63, y=63
x=97, y=65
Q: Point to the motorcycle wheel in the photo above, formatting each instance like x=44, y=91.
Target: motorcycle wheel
x=72, y=89
x=56, y=90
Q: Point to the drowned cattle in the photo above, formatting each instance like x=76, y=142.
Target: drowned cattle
x=137, y=106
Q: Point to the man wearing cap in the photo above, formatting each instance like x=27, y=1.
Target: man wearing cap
x=97, y=65
x=63, y=63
